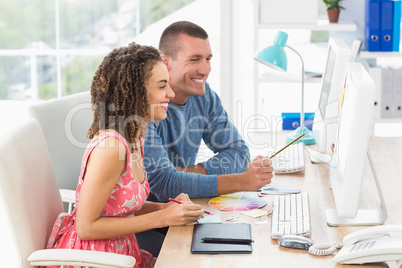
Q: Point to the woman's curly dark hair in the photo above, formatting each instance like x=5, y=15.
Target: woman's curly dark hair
x=118, y=93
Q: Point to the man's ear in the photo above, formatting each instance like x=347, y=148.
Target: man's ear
x=167, y=61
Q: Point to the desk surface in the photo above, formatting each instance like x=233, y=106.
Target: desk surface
x=387, y=158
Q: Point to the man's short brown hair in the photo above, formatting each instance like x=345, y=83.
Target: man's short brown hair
x=169, y=43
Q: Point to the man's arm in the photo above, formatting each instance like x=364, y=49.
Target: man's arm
x=194, y=169
x=257, y=174
x=165, y=180
x=231, y=153
x=231, y=159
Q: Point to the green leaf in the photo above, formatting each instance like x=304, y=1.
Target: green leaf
x=333, y=4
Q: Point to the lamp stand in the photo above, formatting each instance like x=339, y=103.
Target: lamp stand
x=309, y=137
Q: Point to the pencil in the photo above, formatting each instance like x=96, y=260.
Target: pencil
x=179, y=202
x=286, y=146
x=174, y=200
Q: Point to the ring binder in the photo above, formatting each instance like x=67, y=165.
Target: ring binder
x=387, y=25
x=373, y=20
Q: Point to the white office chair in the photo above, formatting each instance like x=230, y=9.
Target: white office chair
x=30, y=203
x=65, y=122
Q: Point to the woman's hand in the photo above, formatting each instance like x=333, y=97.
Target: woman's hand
x=181, y=214
x=183, y=198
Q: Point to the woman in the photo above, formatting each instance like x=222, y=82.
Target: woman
x=129, y=90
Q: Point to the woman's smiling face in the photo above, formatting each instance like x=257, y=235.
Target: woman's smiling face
x=159, y=92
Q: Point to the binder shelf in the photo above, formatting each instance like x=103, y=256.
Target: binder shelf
x=320, y=25
x=375, y=55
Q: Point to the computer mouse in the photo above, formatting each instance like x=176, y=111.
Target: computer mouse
x=295, y=241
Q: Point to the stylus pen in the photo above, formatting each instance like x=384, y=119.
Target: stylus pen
x=226, y=240
x=286, y=146
x=178, y=202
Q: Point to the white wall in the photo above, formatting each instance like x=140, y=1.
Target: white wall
x=354, y=11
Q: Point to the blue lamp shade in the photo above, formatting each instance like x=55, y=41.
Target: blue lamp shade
x=275, y=56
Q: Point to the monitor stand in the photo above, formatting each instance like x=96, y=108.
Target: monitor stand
x=374, y=216
x=317, y=157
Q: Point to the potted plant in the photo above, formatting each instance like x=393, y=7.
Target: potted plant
x=333, y=9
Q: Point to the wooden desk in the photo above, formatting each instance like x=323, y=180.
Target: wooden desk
x=266, y=252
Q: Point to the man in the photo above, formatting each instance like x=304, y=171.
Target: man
x=195, y=114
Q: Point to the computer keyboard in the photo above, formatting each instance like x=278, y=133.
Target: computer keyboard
x=290, y=160
x=290, y=215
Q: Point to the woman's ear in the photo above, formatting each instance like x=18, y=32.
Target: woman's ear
x=166, y=60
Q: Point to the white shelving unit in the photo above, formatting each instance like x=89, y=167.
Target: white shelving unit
x=376, y=55
x=320, y=25
x=267, y=77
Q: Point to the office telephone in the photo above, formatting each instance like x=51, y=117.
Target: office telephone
x=374, y=244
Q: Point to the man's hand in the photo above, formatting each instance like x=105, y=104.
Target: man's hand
x=257, y=174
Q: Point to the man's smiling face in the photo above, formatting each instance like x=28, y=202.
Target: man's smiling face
x=190, y=69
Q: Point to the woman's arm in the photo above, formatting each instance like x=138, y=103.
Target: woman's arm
x=104, y=167
x=149, y=207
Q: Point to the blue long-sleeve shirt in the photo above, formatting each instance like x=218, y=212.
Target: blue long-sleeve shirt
x=175, y=142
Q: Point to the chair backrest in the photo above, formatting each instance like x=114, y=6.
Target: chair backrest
x=65, y=122
x=29, y=194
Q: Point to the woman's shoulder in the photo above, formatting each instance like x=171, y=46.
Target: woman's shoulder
x=110, y=148
x=112, y=143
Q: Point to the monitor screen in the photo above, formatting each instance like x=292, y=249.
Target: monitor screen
x=350, y=152
x=326, y=116
x=327, y=80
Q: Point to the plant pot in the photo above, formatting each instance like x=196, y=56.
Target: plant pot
x=333, y=15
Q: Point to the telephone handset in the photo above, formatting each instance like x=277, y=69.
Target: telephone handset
x=374, y=244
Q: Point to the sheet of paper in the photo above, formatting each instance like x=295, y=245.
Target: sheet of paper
x=210, y=219
x=255, y=213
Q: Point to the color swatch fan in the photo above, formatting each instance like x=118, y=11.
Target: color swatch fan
x=237, y=202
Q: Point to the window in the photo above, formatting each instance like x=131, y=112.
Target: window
x=51, y=48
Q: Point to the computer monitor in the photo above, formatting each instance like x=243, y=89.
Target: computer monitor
x=350, y=152
x=326, y=116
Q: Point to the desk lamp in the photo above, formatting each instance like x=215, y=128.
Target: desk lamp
x=275, y=57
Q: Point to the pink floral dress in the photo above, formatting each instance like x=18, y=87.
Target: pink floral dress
x=127, y=197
